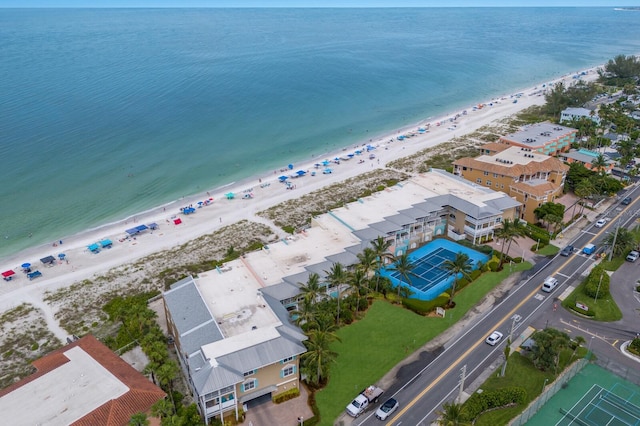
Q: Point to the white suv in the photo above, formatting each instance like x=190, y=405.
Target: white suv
x=633, y=256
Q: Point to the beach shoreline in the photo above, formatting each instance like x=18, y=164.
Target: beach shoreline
x=265, y=187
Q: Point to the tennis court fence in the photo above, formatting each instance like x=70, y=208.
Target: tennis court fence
x=549, y=391
x=630, y=374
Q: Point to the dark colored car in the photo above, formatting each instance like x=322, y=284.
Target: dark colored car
x=567, y=251
x=626, y=201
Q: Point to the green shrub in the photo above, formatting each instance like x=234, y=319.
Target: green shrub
x=286, y=395
x=517, y=260
x=597, y=283
x=634, y=346
x=423, y=307
x=462, y=283
x=475, y=274
x=487, y=400
x=536, y=233
x=493, y=266
x=638, y=288
x=35, y=346
x=583, y=312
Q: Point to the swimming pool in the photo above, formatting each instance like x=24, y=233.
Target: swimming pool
x=431, y=279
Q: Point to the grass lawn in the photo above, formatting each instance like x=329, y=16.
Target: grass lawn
x=548, y=250
x=605, y=308
x=615, y=263
x=520, y=372
x=384, y=337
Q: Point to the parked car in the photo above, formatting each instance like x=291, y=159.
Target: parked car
x=589, y=249
x=633, y=256
x=387, y=409
x=568, y=250
x=494, y=338
x=626, y=201
x=601, y=222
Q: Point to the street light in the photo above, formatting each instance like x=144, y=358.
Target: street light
x=615, y=237
x=301, y=420
x=538, y=244
x=599, y=283
x=544, y=385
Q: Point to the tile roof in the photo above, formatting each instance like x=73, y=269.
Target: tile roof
x=538, y=190
x=141, y=396
x=494, y=146
x=550, y=164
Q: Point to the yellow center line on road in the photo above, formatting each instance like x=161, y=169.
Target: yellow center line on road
x=476, y=344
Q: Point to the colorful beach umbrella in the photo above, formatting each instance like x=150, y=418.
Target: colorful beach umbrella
x=25, y=265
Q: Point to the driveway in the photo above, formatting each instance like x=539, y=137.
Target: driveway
x=284, y=414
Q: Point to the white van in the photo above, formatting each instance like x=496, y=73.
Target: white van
x=549, y=284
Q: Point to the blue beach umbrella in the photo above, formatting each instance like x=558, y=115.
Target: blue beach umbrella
x=325, y=163
x=283, y=178
x=25, y=265
x=61, y=256
x=290, y=166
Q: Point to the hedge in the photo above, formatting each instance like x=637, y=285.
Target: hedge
x=487, y=400
x=286, y=395
x=537, y=233
x=423, y=307
x=583, y=312
x=597, y=278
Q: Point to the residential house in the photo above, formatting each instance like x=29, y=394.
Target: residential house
x=586, y=157
x=570, y=114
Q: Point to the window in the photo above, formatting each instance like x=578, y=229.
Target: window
x=488, y=182
x=501, y=186
x=486, y=173
x=248, y=385
x=291, y=358
x=288, y=371
x=495, y=175
x=249, y=373
x=478, y=180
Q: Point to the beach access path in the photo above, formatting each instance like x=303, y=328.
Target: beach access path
x=266, y=189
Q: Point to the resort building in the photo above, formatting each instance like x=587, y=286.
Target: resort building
x=231, y=326
x=545, y=138
x=586, y=157
x=570, y=114
x=82, y=383
x=234, y=343
x=529, y=177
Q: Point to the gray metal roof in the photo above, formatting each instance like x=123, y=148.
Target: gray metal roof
x=320, y=268
x=190, y=314
x=281, y=291
x=400, y=220
x=345, y=258
x=295, y=279
x=261, y=355
x=384, y=227
x=368, y=234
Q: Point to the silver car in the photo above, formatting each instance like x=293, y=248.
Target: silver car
x=494, y=338
x=387, y=409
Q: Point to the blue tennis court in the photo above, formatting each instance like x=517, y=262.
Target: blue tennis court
x=429, y=278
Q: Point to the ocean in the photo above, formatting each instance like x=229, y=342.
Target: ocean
x=108, y=112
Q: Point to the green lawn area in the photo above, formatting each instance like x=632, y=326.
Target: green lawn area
x=520, y=372
x=387, y=335
x=548, y=250
x=605, y=308
x=615, y=263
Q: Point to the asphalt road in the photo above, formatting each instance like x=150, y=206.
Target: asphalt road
x=423, y=387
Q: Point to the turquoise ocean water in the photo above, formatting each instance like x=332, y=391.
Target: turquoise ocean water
x=109, y=112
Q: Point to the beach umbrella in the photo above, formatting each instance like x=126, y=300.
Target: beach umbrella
x=62, y=256
x=301, y=172
x=283, y=178
x=200, y=202
x=230, y=195
x=25, y=265
x=290, y=166
x=350, y=155
x=325, y=163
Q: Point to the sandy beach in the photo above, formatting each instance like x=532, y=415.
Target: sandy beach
x=266, y=190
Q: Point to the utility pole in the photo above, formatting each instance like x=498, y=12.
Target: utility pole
x=462, y=377
x=599, y=283
x=615, y=237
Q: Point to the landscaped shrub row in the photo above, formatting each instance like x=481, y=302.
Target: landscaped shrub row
x=536, y=233
x=423, y=307
x=487, y=400
x=286, y=395
x=583, y=312
x=634, y=346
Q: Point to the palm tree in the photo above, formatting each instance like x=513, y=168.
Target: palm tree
x=319, y=355
x=337, y=276
x=166, y=374
x=461, y=265
x=358, y=280
x=584, y=189
x=452, y=415
x=380, y=247
x=367, y=260
x=139, y=419
x=625, y=240
x=510, y=230
x=404, y=266
x=306, y=312
x=311, y=290
x=162, y=409
x=599, y=164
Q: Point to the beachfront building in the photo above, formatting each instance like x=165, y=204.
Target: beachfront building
x=586, y=158
x=529, y=177
x=234, y=343
x=545, y=138
x=408, y=215
x=570, y=114
x=82, y=383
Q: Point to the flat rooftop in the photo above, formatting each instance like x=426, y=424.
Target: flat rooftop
x=442, y=183
x=537, y=135
x=63, y=395
x=233, y=298
x=514, y=154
